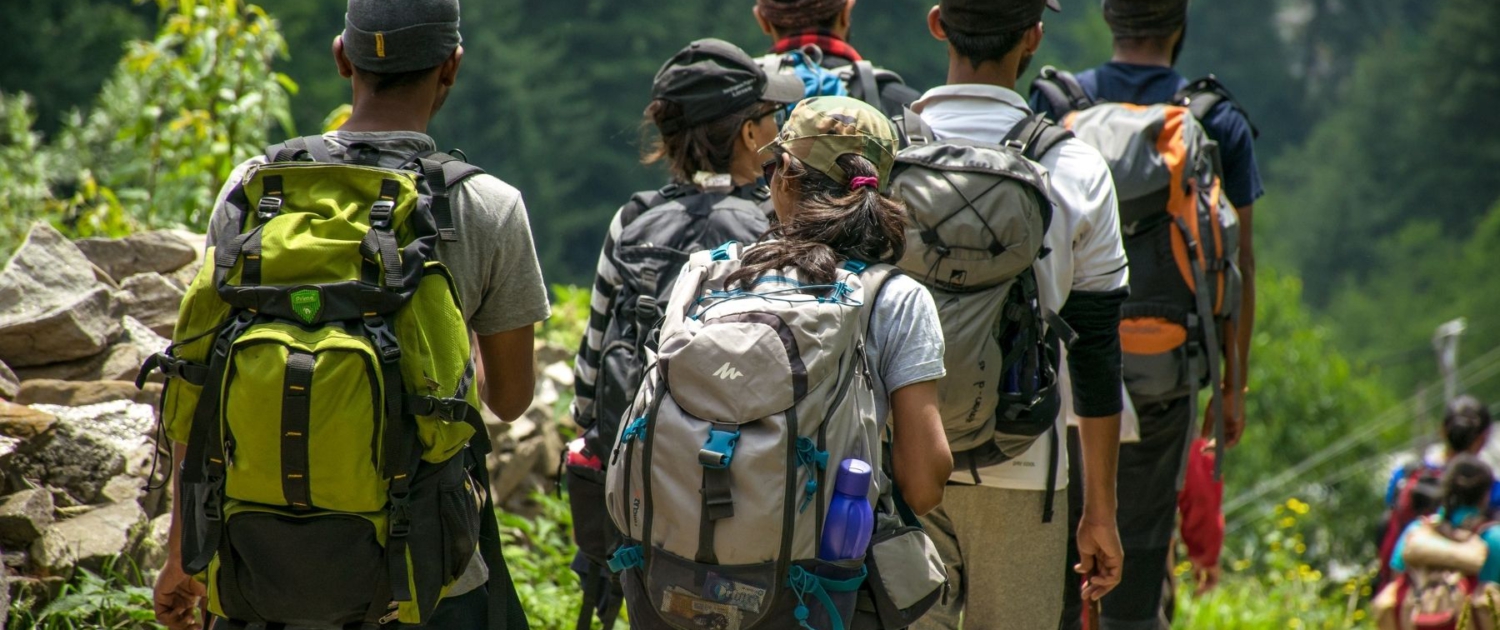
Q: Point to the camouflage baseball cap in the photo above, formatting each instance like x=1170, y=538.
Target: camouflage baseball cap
x=822, y=129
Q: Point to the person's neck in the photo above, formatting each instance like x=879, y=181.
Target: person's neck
x=379, y=112
x=1143, y=57
x=1002, y=73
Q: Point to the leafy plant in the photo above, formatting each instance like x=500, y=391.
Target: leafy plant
x=539, y=551
x=116, y=598
x=570, y=316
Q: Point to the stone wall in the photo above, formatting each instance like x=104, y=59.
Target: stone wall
x=79, y=486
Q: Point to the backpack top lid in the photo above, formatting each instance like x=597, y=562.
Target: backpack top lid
x=977, y=213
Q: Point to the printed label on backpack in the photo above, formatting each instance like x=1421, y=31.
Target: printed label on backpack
x=307, y=303
x=738, y=594
x=702, y=613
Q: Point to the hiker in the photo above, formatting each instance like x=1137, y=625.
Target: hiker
x=751, y=483
x=710, y=145
x=1414, y=488
x=1448, y=563
x=811, y=41
x=1165, y=320
x=307, y=449
x=997, y=531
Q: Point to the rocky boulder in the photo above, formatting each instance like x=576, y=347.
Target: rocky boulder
x=85, y=449
x=9, y=384
x=81, y=393
x=24, y=516
x=152, y=299
x=159, y=252
x=89, y=540
x=120, y=362
x=21, y=422
x=55, y=309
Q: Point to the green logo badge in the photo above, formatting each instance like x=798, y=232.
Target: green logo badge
x=307, y=303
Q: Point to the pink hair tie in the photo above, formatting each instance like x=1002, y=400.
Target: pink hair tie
x=857, y=183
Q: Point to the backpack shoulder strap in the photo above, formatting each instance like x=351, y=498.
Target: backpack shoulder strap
x=1035, y=136
x=1203, y=95
x=875, y=277
x=864, y=74
x=444, y=172
x=645, y=200
x=1062, y=91
x=914, y=130
x=303, y=148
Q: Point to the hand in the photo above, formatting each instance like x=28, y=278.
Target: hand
x=1206, y=576
x=1101, y=558
x=1234, y=417
x=177, y=597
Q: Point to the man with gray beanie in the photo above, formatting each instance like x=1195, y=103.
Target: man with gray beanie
x=1148, y=39
x=997, y=530
x=823, y=26
x=401, y=58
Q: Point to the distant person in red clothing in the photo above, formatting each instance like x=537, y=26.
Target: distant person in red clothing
x=1200, y=505
x=795, y=25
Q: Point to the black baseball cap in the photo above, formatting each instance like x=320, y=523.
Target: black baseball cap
x=712, y=78
x=993, y=17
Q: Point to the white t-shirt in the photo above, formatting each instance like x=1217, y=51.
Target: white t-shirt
x=1087, y=253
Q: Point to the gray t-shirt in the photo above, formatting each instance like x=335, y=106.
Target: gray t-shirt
x=494, y=260
x=904, y=345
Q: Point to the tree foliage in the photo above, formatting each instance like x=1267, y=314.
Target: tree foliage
x=168, y=126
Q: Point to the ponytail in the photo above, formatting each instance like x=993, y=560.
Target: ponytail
x=833, y=222
x=1466, y=484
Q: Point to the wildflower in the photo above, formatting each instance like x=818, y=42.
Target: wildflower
x=1297, y=506
x=1286, y=522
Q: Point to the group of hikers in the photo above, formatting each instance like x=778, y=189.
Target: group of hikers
x=872, y=358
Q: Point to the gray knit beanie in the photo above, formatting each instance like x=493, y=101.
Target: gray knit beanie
x=392, y=36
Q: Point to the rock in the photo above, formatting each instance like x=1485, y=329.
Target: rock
x=120, y=363
x=55, y=309
x=88, y=540
x=546, y=394
x=9, y=384
x=84, y=450
x=19, y=421
x=152, y=550
x=509, y=471
x=123, y=488
x=561, y=375
x=153, y=299
x=24, y=516
x=548, y=354
x=146, y=252
x=80, y=393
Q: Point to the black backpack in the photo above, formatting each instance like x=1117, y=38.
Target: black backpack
x=660, y=230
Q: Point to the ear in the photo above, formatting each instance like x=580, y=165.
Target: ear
x=765, y=25
x=846, y=17
x=346, y=68
x=449, y=72
x=1032, y=40
x=935, y=24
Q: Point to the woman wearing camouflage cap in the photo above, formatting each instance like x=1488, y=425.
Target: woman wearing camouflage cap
x=827, y=170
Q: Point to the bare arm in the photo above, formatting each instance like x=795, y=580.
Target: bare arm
x=177, y=595
x=919, y=448
x=1101, y=556
x=507, y=371
x=1245, y=329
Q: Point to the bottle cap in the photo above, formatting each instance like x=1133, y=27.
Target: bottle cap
x=853, y=478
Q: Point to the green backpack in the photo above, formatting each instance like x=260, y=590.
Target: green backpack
x=320, y=373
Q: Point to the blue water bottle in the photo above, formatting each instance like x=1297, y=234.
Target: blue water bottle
x=846, y=532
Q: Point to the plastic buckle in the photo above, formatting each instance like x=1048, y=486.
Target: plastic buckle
x=400, y=518
x=636, y=429
x=384, y=340
x=268, y=208
x=855, y=266
x=625, y=558
x=380, y=213
x=211, y=504
x=450, y=409
x=719, y=450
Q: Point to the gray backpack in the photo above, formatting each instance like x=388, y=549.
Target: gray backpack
x=978, y=214
x=721, y=481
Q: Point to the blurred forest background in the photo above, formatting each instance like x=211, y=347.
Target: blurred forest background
x=1379, y=146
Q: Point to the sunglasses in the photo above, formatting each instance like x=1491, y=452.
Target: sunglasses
x=769, y=167
x=779, y=113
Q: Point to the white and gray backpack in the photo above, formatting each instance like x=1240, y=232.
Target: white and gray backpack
x=977, y=217
x=721, y=481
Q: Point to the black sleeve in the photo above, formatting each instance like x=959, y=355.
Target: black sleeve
x=1094, y=357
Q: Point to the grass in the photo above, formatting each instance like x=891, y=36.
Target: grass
x=117, y=598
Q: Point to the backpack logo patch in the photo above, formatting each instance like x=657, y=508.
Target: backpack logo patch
x=308, y=304
x=727, y=372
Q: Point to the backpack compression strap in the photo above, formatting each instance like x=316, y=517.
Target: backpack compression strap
x=1203, y=95
x=1062, y=91
x=914, y=130
x=1036, y=136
